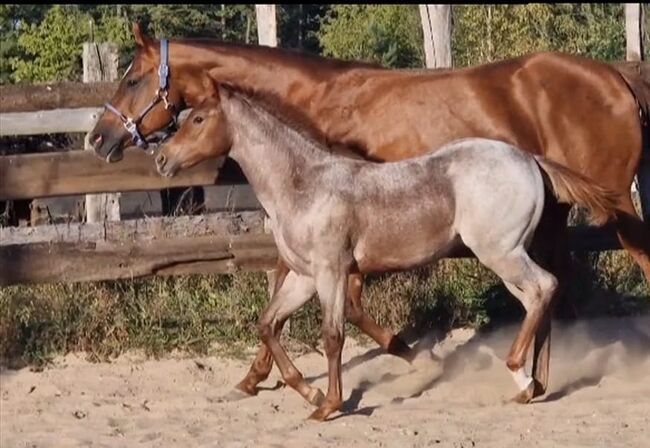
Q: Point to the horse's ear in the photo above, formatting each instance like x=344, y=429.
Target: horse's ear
x=225, y=90
x=140, y=37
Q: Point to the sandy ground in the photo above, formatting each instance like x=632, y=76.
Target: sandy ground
x=599, y=397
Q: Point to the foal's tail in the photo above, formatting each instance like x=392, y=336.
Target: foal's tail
x=573, y=188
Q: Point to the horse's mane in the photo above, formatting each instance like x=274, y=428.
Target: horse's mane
x=297, y=56
x=272, y=104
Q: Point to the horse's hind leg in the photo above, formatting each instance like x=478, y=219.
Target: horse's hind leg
x=634, y=235
x=534, y=287
x=295, y=291
x=355, y=314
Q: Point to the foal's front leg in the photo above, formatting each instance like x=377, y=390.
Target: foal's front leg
x=295, y=291
x=331, y=286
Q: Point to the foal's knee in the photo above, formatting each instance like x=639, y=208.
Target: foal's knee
x=333, y=341
x=264, y=331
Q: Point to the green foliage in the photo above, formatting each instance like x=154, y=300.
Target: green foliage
x=298, y=26
x=192, y=313
x=387, y=34
x=52, y=47
x=484, y=33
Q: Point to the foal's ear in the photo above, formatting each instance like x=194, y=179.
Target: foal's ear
x=140, y=37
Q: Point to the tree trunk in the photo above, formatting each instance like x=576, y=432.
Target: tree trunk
x=436, y=27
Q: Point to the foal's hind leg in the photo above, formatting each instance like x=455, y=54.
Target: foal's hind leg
x=552, y=253
x=355, y=314
x=534, y=287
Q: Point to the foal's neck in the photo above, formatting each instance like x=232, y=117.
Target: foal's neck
x=275, y=157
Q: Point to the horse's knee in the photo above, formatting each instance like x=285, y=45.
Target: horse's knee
x=333, y=342
x=264, y=331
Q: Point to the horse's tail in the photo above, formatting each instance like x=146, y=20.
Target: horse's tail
x=573, y=188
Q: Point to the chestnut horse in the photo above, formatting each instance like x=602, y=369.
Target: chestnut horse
x=334, y=218
x=578, y=112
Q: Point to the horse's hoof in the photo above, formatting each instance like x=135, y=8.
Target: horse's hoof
x=321, y=414
x=316, y=398
x=525, y=395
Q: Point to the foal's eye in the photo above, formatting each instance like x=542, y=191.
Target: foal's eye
x=198, y=120
x=132, y=82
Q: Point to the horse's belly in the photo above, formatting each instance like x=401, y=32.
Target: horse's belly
x=374, y=254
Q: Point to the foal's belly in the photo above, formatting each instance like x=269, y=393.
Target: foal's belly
x=377, y=252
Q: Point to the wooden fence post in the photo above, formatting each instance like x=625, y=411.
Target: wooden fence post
x=436, y=27
x=100, y=62
x=267, y=34
x=634, y=31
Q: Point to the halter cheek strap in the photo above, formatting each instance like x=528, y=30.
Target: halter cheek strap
x=131, y=124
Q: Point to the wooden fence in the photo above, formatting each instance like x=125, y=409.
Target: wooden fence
x=211, y=243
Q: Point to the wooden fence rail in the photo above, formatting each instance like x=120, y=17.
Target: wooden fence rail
x=217, y=243
x=79, y=172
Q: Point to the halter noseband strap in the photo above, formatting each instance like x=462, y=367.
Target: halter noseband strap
x=131, y=124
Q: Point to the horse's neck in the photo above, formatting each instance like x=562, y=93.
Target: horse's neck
x=274, y=159
x=262, y=69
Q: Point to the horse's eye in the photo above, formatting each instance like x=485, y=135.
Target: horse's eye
x=198, y=120
x=132, y=82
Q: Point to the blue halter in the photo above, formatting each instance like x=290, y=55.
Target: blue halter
x=131, y=124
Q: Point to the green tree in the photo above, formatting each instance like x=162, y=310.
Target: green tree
x=387, y=34
x=53, y=47
x=12, y=18
x=298, y=26
x=484, y=33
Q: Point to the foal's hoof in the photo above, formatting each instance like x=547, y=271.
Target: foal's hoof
x=539, y=389
x=238, y=394
x=316, y=397
x=525, y=395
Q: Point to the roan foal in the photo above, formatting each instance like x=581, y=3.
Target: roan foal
x=335, y=218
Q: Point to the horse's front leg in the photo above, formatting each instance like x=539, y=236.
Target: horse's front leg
x=331, y=284
x=263, y=363
x=294, y=293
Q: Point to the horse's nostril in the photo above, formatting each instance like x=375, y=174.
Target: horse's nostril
x=160, y=160
x=96, y=139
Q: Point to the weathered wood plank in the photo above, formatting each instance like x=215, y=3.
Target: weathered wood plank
x=148, y=229
x=60, y=95
x=55, y=121
x=49, y=121
x=78, y=172
x=105, y=260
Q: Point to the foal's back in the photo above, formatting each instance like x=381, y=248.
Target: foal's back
x=409, y=212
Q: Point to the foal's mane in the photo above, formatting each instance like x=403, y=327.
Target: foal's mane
x=287, y=115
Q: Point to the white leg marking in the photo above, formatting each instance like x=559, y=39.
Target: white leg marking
x=522, y=379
